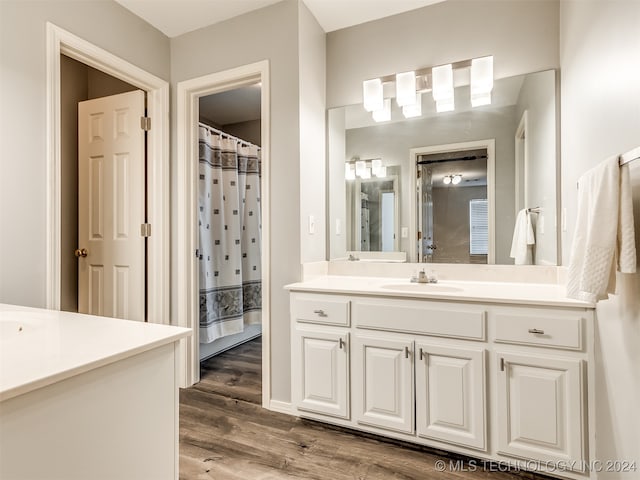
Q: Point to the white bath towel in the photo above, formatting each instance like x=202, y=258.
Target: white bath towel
x=604, y=238
x=523, y=239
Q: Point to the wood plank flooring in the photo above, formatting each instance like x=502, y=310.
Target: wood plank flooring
x=226, y=435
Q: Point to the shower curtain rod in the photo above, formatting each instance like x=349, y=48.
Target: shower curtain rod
x=225, y=134
x=630, y=156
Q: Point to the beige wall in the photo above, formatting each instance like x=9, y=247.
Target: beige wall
x=23, y=120
x=599, y=52
x=521, y=35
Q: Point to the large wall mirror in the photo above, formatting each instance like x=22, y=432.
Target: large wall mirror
x=448, y=187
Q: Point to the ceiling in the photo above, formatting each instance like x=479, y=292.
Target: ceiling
x=233, y=106
x=176, y=17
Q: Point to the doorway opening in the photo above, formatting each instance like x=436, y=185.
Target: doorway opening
x=80, y=83
x=229, y=220
x=60, y=42
x=453, y=211
x=186, y=286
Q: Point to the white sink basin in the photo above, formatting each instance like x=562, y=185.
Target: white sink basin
x=421, y=287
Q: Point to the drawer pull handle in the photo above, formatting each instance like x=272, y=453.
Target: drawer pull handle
x=421, y=354
x=341, y=343
x=536, y=331
x=406, y=352
x=501, y=364
x=320, y=313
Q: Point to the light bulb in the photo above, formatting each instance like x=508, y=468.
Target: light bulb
x=446, y=180
x=372, y=95
x=456, y=179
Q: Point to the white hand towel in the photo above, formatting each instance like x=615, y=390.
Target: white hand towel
x=523, y=238
x=604, y=238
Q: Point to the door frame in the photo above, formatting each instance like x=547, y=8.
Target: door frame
x=186, y=306
x=521, y=161
x=490, y=145
x=60, y=41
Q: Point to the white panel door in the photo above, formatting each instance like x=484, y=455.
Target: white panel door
x=540, y=408
x=383, y=382
x=450, y=394
x=111, y=206
x=321, y=377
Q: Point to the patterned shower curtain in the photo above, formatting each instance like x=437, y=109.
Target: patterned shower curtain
x=230, y=234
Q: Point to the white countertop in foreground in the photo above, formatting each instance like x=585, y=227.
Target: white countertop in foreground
x=492, y=292
x=39, y=347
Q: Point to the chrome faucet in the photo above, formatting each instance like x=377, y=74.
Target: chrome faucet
x=352, y=258
x=424, y=278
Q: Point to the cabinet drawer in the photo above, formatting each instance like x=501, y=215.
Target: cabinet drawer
x=323, y=309
x=424, y=318
x=547, y=328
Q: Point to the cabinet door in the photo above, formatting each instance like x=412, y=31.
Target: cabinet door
x=450, y=394
x=321, y=371
x=540, y=408
x=383, y=382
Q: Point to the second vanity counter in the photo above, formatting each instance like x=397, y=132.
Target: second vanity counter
x=552, y=295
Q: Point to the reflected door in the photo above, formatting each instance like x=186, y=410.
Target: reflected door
x=111, y=199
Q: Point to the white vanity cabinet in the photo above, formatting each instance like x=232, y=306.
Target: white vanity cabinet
x=321, y=353
x=505, y=382
x=383, y=381
x=541, y=392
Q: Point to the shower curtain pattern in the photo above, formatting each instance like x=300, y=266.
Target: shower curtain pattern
x=230, y=228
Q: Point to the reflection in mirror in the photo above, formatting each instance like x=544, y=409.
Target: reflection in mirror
x=374, y=203
x=519, y=133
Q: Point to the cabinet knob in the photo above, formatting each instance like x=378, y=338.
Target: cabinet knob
x=406, y=352
x=536, y=331
x=421, y=354
x=340, y=343
x=320, y=313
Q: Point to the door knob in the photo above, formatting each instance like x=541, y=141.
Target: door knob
x=81, y=252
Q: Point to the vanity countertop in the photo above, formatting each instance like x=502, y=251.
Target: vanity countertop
x=39, y=347
x=552, y=295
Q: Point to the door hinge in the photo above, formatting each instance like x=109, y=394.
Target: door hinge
x=145, y=229
x=145, y=123
x=419, y=235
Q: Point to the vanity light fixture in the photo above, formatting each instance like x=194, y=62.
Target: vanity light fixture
x=414, y=110
x=383, y=114
x=372, y=95
x=376, y=165
x=382, y=172
x=361, y=166
x=447, y=179
x=364, y=169
x=406, y=88
x=481, y=81
x=366, y=174
x=442, y=78
x=456, y=179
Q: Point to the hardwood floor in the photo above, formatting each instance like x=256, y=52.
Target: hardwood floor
x=226, y=435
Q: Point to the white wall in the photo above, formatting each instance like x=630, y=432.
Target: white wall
x=521, y=35
x=537, y=98
x=23, y=120
x=600, y=59
x=337, y=188
x=312, y=70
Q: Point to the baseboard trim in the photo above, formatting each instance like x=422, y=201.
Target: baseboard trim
x=280, y=407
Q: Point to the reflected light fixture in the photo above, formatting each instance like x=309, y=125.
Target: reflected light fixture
x=366, y=174
x=383, y=114
x=481, y=81
x=382, y=172
x=456, y=179
x=414, y=110
x=349, y=171
x=442, y=78
x=406, y=88
x=361, y=166
x=376, y=165
x=372, y=95
x=447, y=179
